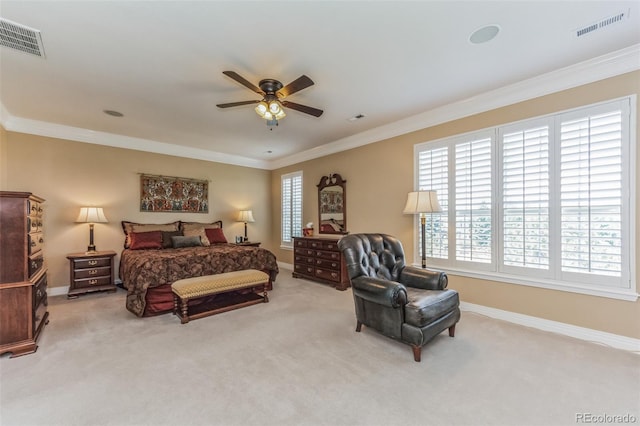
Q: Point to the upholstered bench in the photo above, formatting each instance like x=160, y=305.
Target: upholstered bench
x=209, y=285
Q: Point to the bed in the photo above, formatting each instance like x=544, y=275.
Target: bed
x=148, y=270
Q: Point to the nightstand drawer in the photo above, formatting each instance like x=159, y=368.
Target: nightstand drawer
x=92, y=263
x=91, y=282
x=92, y=273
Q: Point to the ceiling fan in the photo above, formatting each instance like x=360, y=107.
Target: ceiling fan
x=273, y=93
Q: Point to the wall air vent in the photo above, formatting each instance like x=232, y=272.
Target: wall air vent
x=601, y=24
x=20, y=37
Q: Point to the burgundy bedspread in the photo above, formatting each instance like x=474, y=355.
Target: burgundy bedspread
x=144, y=269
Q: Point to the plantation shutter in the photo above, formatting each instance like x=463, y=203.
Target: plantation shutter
x=473, y=200
x=525, y=198
x=433, y=174
x=591, y=166
x=291, y=207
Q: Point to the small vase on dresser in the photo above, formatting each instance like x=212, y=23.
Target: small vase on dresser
x=23, y=275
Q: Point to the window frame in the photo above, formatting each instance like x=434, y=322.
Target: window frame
x=289, y=177
x=554, y=278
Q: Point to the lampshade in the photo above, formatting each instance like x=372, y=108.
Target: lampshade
x=422, y=202
x=245, y=216
x=92, y=215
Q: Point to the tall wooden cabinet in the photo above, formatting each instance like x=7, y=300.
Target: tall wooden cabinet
x=319, y=259
x=23, y=275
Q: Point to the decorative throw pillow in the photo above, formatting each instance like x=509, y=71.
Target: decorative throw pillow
x=146, y=240
x=215, y=235
x=180, y=241
x=191, y=225
x=129, y=227
x=166, y=238
x=199, y=232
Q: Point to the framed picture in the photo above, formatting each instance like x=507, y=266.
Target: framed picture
x=173, y=194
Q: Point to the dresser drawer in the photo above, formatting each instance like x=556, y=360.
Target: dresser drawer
x=304, y=269
x=35, y=264
x=304, y=259
x=34, y=224
x=328, y=274
x=92, y=263
x=40, y=292
x=34, y=208
x=79, y=274
x=91, y=282
x=328, y=264
x=36, y=242
x=300, y=243
x=330, y=255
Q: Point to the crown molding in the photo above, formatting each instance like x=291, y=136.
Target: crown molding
x=599, y=68
x=41, y=128
x=605, y=66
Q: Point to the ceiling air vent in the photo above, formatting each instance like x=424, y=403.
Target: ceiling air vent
x=20, y=37
x=601, y=24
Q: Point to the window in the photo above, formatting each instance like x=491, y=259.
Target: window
x=545, y=202
x=291, y=185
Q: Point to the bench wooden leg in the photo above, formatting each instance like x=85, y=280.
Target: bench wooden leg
x=175, y=304
x=265, y=295
x=184, y=318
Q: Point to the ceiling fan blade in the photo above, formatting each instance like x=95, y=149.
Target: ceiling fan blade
x=233, y=104
x=300, y=83
x=234, y=75
x=303, y=108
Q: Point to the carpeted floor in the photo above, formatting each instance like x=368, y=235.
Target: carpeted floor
x=298, y=361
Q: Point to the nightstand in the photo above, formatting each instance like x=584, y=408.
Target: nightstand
x=248, y=244
x=91, y=272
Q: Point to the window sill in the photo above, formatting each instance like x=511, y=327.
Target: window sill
x=611, y=293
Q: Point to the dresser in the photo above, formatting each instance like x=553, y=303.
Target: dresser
x=91, y=271
x=319, y=259
x=23, y=273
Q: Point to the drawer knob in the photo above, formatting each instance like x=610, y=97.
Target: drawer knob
x=93, y=262
x=93, y=282
x=93, y=272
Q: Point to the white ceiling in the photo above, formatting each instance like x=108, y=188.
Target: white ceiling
x=160, y=63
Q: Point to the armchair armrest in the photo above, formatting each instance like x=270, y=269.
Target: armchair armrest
x=426, y=279
x=387, y=293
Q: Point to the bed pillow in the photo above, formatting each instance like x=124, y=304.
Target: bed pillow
x=215, y=235
x=129, y=227
x=180, y=241
x=145, y=240
x=166, y=238
x=198, y=232
x=192, y=225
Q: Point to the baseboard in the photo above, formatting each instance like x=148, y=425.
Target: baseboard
x=582, y=333
x=57, y=291
x=62, y=291
x=283, y=265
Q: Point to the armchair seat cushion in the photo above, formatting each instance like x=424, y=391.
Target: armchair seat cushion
x=426, y=306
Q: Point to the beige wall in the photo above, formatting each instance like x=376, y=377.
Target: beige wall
x=72, y=174
x=380, y=175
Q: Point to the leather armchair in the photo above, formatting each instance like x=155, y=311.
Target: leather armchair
x=408, y=304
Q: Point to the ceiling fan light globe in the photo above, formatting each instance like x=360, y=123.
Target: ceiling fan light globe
x=261, y=108
x=274, y=107
x=280, y=115
x=268, y=116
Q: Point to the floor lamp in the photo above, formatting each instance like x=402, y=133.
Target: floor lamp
x=421, y=202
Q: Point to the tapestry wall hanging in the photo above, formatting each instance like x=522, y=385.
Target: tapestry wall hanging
x=173, y=194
